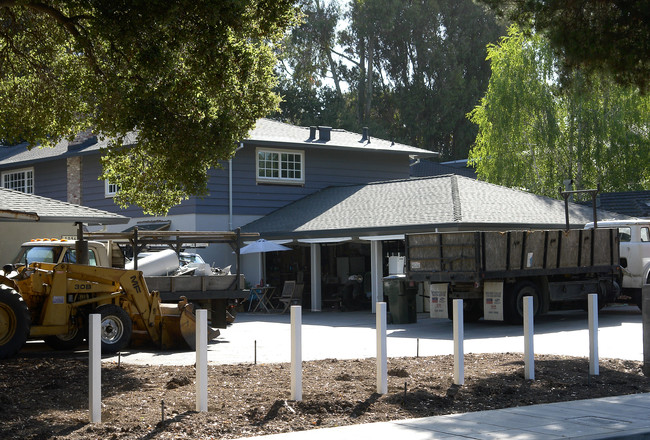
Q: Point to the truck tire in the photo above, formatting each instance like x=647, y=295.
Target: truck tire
x=68, y=341
x=14, y=322
x=513, y=308
x=116, y=328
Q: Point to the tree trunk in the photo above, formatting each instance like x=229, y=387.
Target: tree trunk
x=361, y=88
x=368, y=104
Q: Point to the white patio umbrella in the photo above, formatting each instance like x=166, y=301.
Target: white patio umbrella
x=262, y=246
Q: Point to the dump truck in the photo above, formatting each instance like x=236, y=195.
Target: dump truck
x=52, y=301
x=492, y=271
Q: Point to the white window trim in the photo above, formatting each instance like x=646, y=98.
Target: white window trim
x=22, y=170
x=107, y=191
x=280, y=180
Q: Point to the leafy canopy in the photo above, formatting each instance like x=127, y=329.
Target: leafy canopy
x=190, y=77
x=607, y=36
x=534, y=134
x=409, y=71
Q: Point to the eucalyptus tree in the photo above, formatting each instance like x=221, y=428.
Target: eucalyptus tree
x=412, y=69
x=191, y=77
x=534, y=132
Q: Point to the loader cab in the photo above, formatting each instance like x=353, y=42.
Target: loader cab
x=51, y=251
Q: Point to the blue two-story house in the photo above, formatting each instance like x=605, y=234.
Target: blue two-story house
x=278, y=164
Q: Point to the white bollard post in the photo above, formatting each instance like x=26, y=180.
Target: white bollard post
x=382, y=357
x=95, y=365
x=202, y=360
x=593, y=333
x=459, y=330
x=296, y=353
x=529, y=352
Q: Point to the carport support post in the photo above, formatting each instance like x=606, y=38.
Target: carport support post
x=202, y=360
x=376, y=273
x=95, y=365
x=529, y=351
x=592, y=300
x=382, y=357
x=296, y=353
x=316, y=277
x=459, y=364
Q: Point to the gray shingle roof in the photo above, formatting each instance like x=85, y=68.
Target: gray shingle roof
x=11, y=156
x=426, y=168
x=269, y=131
x=416, y=205
x=50, y=210
x=266, y=131
x=634, y=203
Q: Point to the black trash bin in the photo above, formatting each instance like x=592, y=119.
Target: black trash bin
x=401, y=299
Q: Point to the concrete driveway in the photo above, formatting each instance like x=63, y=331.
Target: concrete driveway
x=265, y=338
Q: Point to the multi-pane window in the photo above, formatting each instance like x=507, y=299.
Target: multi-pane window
x=280, y=166
x=111, y=189
x=19, y=180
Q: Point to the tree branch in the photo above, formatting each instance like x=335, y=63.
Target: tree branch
x=69, y=24
x=356, y=63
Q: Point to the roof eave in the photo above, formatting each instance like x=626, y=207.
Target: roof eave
x=322, y=145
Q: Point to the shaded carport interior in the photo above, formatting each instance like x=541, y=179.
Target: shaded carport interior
x=376, y=212
x=25, y=216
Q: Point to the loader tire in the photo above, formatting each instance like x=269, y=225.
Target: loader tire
x=68, y=341
x=14, y=322
x=116, y=328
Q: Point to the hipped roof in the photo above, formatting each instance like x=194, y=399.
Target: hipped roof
x=447, y=202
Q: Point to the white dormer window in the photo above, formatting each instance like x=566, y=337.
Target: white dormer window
x=280, y=166
x=19, y=180
x=110, y=189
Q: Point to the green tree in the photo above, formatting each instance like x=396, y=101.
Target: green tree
x=309, y=71
x=430, y=55
x=534, y=134
x=412, y=69
x=596, y=35
x=191, y=77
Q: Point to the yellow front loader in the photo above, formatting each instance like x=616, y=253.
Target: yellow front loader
x=52, y=302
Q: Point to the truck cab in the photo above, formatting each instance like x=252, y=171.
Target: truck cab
x=634, y=239
x=53, y=250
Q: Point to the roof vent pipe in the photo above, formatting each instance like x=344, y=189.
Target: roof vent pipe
x=365, y=134
x=312, y=132
x=324, y=133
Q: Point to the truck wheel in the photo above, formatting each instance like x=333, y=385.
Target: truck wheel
x=513, y=308
x=14, y=322
x=116, y=328
x=68, y=341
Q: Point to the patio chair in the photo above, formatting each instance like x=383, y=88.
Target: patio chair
x=291, y=294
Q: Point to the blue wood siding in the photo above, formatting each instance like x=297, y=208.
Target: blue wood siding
x=50, y=179
x=322, y=169
x=94, y=192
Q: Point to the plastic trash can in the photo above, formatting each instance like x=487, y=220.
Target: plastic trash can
x=401, y=299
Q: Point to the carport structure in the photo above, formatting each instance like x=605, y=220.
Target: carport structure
x=382, y=211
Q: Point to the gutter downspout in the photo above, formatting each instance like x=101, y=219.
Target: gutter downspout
x=230, y=201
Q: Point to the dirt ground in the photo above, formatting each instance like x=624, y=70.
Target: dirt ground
x=45, y=396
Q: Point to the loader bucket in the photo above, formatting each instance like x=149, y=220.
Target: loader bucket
x=179, y=326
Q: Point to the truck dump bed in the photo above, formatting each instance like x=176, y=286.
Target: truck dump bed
x=475, y=256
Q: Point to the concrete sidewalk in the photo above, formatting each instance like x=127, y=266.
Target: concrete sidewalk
x=621, y=417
